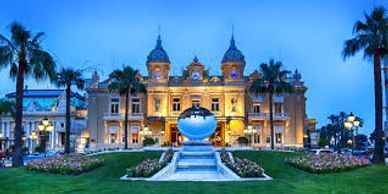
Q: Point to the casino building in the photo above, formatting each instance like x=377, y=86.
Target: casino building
x=154, y=114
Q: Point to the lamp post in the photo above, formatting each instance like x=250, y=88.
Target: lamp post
x=44, y=127
x=248, y=131
x=1, y=141
x=33, y=137
x=352, y=124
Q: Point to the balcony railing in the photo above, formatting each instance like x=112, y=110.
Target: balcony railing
x=176, y=114
x=120, y=116
x=266, y=115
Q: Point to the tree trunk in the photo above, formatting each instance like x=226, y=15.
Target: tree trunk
x=17, y=159
x=378, y=155
x=126, y=120
x=271, y=118
x=68, y=121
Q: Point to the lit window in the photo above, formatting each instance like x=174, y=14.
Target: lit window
x=176, y=104
x=112, y=138
x=256, y=107
x=279, y=138
x=278, y=107
x=256, y=138
x=114, y=105
x=135, y=105
x=215, y=104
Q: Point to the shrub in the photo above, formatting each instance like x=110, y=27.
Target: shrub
x=242, y=140
x=72, y=164
x=149, y=167
x=242, y=167
x=327, y=163
x=38, y=149
x=148, y=141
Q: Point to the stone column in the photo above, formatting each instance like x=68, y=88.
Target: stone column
x=27, y=134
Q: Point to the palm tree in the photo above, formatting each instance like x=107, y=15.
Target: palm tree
x=273, y=79
x=372, y=37
x=7, y=107
x=26, y=58
x=126, y=82
x=67, y=78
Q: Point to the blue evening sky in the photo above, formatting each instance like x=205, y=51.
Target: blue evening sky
x=303, y=34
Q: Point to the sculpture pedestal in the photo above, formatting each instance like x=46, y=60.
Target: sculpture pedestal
x=197, y=146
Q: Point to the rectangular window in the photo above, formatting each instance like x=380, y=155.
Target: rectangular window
x=256, y=107
x=176, y=104
x=268, y=140
x=195, y=101
x=114, y=105
x=135, y=105
x=278, y=138
x=256, y=138
x=278, y=107
x=112, y=138
x=215, y=104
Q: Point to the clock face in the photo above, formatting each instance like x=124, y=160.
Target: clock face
x=195, y=75
x=157, y=75
x=234, y=75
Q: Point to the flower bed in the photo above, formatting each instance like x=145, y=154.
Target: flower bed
x=242, y=167
x=327, y=163
x=149, y=167
x=72, y=164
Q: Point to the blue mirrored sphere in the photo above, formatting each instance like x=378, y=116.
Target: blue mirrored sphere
x=197, y=123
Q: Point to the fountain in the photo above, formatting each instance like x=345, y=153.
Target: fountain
x=197, y=161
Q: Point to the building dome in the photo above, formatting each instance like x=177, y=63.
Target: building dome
x=233, y=54
x=158, y=54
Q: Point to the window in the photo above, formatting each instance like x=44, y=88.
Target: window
x=268, y=140
x=278, y=138
x=278, y=107
x=176, y=104
x=112, y=138
x=114, y=105
x=215, y=104
x=256, y=138
x=195, y=102
x=135, y=105
x=256, y=107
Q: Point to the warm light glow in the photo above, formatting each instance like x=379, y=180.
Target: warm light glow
x=348, y=124
x=1, y=135
x=50, y=128
x=45, y=121
x=41, y=127
x=356, y=123
x=305, y=136
x=350, y=141
x=351, y=117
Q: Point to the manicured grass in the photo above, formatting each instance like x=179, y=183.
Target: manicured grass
x=287, y=179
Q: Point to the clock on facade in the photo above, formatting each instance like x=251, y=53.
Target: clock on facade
x=157, y=75
x=195, y=75
x=234, y=75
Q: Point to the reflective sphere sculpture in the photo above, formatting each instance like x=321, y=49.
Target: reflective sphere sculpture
x=197, y=123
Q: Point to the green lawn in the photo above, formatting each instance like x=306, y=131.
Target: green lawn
x=372, y=179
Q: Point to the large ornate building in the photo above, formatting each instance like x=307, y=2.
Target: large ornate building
x=154, y=114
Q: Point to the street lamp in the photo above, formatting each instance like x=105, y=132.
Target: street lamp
x=248, y=131
x=352, y=124
x=44, y=127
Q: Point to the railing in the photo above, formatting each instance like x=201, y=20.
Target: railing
x=176, y=114
x=266, y=115
x=120, y=116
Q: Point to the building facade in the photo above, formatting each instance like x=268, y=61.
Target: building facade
x=50, y=104
x=238, y=111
